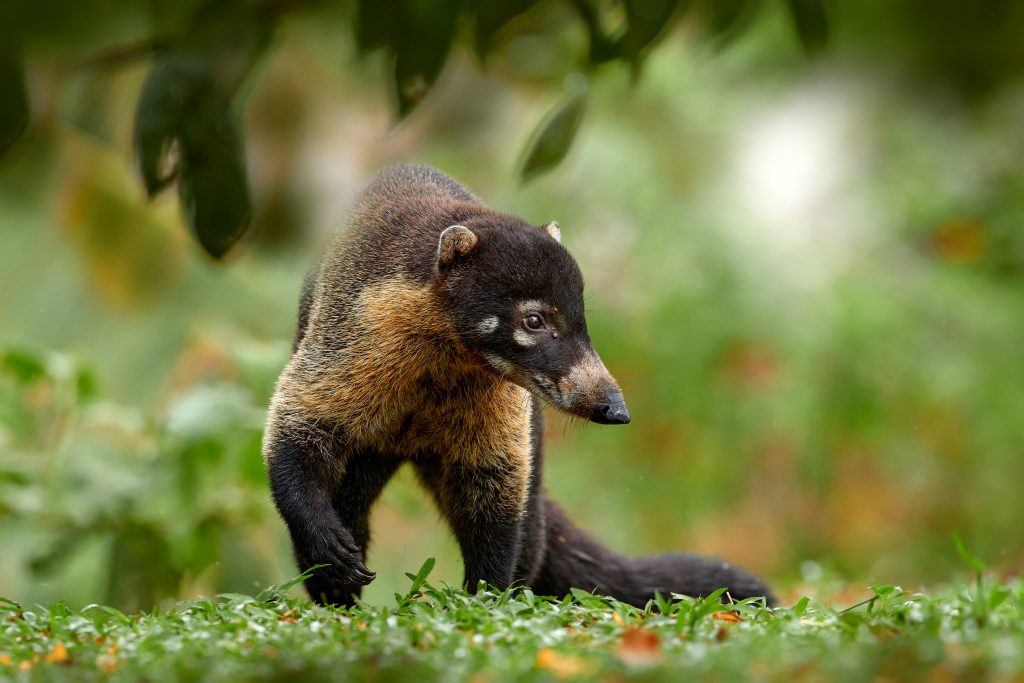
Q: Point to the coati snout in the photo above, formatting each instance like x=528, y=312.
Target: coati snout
x=516, y=295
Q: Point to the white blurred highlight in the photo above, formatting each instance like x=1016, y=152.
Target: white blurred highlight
x=793, y=175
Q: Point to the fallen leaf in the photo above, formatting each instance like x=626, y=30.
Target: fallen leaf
x=960, y=240
x=58, y=655
x=639, y=646
x=561, y=666
x=730, y=617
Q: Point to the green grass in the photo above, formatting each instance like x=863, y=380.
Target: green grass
x=972, y=633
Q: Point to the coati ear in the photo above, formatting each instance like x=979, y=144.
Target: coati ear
x=455, y=241
x=554, y=230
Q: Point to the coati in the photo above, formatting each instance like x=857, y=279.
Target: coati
x=431, y=332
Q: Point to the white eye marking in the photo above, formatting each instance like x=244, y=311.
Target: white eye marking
x=523, y=338
x=499, y=364
x=488, y=325
x=534, y=305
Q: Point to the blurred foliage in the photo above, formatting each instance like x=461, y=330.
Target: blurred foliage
x=806, y=274
x=143, y=506
x=202, y=52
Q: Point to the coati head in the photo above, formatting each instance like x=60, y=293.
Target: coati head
x=515, y=296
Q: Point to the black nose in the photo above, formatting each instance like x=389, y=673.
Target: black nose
x=612, y=410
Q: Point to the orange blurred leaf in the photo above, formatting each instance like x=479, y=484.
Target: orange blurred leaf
x=730, y=617
x=58, y=655
x=960, y=240
x=562, y=666
x=639, y=646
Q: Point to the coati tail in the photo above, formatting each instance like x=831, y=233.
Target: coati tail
x=573, y=559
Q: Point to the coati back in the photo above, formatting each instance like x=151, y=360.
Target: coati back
x=429, y=333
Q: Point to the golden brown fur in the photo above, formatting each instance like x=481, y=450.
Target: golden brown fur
x=389, y=388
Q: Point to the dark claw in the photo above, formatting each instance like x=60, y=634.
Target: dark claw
x=363, y=576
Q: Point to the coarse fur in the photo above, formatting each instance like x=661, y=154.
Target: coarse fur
x=429, y=333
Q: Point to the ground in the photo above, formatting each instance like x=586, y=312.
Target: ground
x=972, y=633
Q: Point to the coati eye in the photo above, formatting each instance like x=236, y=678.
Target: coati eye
x=533, y=322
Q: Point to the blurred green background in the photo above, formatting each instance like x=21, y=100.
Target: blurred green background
x=806, y=271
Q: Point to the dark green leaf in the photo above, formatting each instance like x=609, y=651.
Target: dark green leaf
x=492, y=17
x=159, y=117
x=727, y=19
x=212, y=183
x=423, y=37
x=374, y=24
x=553, y=138
x=601, y=46
x=810, y=20
x=184, y=124
x=646, y=22
x=216, y=55
x=13, y=100
x=26, y=367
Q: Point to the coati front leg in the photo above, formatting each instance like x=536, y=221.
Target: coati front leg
x=483, y=504
x=366, y=474
x=324, y=494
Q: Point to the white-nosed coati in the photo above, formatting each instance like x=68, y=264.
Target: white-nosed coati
x=429, y=333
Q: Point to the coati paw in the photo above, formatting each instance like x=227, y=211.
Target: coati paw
x=344, y=558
